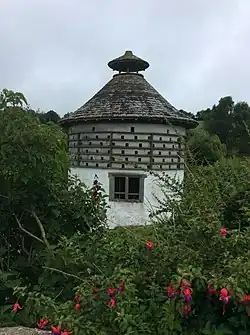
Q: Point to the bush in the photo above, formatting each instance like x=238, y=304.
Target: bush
x=38, y=200
x=189, y=256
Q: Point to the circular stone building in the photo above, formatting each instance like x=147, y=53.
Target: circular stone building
x=123, y=131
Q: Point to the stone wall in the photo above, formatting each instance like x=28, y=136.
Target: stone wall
x=22, y=331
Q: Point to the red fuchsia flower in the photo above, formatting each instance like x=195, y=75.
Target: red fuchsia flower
x=16, y=307
x=183, y=284
x=112, y=303
x=66, y=333
x=56, y=330
x=111, y=292
x=211, y=290
x=224, y=297
x=77, y=307
x=42, y=323
x=223, y=232
x=246, y=299
x=76, y=298
x=187, y=309
x=187, y=293
x=121, y=287
x=150, y=245
x=170, y=291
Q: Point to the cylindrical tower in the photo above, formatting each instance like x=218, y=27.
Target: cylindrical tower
x=124, y=130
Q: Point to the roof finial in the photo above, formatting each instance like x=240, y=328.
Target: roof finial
x=128, y=63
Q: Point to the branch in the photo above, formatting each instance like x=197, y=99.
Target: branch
x=27, y=232
x=23, y=246
x=46, y=242
x=65, y=273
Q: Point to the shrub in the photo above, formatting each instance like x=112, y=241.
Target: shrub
x=190, y=251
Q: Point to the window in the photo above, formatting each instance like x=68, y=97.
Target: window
x=136, y=137
x=93, y=128
x=122, y=137
x=129, y=188
x=132, y=129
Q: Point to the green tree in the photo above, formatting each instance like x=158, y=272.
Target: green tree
x=204, y=148
x=38, y=199
x=231, y=123
x=219, y=121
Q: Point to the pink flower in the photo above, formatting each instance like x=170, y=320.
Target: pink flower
x=150, y=245
x=77, y=307
x=245, y=300
x=121, y=287
x=42, y=323
x=16, y=307
x=171, y=291
x=187, y=294
x=187, y=310
x=223, y=232
x=111, y=292
x=56, y=330
x=224, y=297
x=112, y=303
x=76, y=298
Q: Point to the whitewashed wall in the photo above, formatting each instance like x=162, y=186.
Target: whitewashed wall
x=125, y=213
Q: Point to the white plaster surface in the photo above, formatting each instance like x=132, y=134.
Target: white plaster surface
x=124, y=213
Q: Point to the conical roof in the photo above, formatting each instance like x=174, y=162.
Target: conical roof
x=128, y=97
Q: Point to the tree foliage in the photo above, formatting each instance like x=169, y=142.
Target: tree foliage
x=203, y=148
x=230, y=121
x=39, y=200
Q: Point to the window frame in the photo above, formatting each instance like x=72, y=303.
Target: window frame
x=113, y=175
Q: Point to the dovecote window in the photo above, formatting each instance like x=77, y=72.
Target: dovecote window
x=126, y=187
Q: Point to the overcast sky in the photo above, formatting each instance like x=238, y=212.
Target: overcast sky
x=56, y=51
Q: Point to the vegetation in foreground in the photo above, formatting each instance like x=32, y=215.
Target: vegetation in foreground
x=60, y=266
